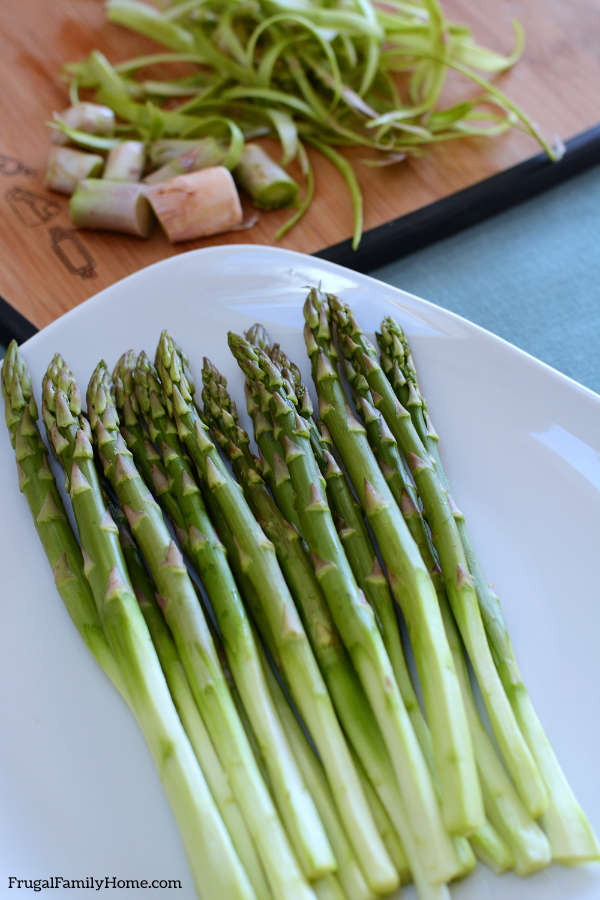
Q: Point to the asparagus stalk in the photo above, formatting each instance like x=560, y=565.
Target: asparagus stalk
x=189, y=714
x=349, y=873
x=295, y=805
x=349, y=521
x=350, y=701
x=37, y=483
x=192, y=636
x=215, y=865
x=355, y=622
x=458, y=582
x=258, y=560
x=570, y=834
x=411, y=583
x=511, y=822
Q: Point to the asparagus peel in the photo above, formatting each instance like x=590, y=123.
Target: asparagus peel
x=192, y=636
x=206, y=840
x=570, y=834
x=208, y=554
x=189, y=714
x=410, y=580
x=257, y=557
x=348, y=696
x=457, y=577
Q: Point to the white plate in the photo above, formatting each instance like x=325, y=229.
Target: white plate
x=79, y=793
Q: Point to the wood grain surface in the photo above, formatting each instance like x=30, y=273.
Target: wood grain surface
x=47, y=268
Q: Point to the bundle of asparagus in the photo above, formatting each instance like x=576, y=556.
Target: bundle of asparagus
x=278, y=700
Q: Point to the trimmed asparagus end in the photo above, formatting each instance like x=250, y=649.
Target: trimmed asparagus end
x=89, y=117
x=111, y=206
x=267, y=183
x=196, y=205
x=202, y=154
x=66, y=168
x=125, y=162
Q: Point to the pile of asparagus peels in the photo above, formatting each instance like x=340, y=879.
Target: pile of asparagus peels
x=277, y=699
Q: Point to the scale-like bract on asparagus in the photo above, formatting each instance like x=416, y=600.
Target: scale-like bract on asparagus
x=294, y=803
x=457, y=578
x=411, y=583
x=214, y=863
x=258, y=560
x=191, y=633
x=571, y=836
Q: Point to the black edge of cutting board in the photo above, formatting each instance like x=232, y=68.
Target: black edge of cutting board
x=424, y=226
x=472, y=205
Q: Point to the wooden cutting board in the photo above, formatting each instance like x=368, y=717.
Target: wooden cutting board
x=47, y=268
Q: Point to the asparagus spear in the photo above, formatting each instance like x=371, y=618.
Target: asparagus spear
x=355, y=622
x=571, y=836
x=349, y=873
x=206, y=551
x=45, y=502
x=458, y=582
x=348, y=517
x=351, y=704
x=257, y=558
x=215, y=865
x=196, y=649
x=502, y=804
x=410, y=581
x=188, y=711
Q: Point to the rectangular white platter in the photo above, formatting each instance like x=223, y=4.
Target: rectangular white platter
x=522, y=446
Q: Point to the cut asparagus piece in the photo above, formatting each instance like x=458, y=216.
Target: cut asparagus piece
x=268, y=184
x=37, y=483
x=458, y=581
x=350, y=701
x=195, y=205
x=411, y=583
x=294, y=802
x=203, y=154
x=91, y=118
x=111, y=206
x=125, y=162
x=66, y=168
x=166, y=150
x=571, y=836
x=189, y=714
x=191, y=633
x=258, y=559
x=355, y=622
x=215, y=865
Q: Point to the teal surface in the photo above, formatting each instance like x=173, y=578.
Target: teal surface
x=531, y=275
